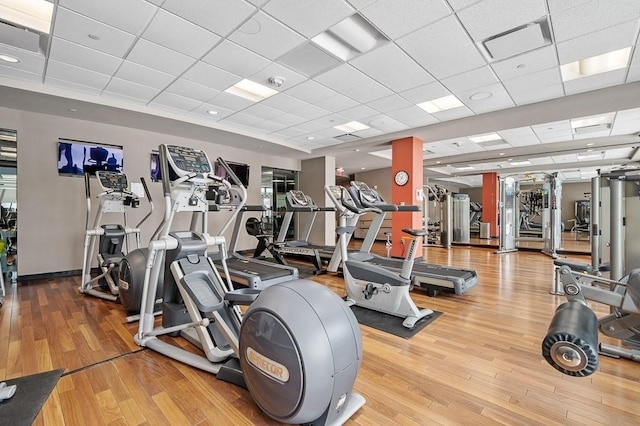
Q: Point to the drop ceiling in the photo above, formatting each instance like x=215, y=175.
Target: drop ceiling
x=165, y=64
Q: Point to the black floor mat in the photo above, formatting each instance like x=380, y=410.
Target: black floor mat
x=389, y=323
x=30, y=396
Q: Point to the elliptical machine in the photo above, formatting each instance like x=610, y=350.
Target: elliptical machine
x=297, y=348
x=372, y=286
x=116, y=197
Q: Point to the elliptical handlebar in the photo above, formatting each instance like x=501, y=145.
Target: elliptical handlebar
x=87, y=191
x=146, y=191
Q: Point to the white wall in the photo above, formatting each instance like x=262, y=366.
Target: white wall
x=51, y=218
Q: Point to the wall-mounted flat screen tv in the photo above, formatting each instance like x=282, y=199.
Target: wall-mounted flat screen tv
x=241, y=170
x=156, y=174
x=75, y=158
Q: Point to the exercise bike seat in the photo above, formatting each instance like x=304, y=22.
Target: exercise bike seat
x=415, y=232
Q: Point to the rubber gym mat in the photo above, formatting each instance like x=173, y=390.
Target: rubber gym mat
x=389, y=323
x=31, y=394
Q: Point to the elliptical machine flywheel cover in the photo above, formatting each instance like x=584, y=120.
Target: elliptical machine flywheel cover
x=300, y=351
x=131, y=280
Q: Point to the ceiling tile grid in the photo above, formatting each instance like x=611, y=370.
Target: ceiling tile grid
x=83, y=57
x=173, y=32
x=309, y=17
x=134, y=20
x=397, y=18
x=218, y=16
x=93, y=34
x=444, y=48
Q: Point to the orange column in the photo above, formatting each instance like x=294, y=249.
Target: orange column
x=406, y=158
x=490, y=200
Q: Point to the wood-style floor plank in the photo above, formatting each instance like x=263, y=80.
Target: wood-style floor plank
x=479, y=363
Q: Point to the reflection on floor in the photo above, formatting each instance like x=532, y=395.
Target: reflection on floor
x=571, y=242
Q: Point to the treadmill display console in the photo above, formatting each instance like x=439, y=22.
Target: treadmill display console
x=367, y=194
x=299, y=198
x=185, y=160
x=113, y=181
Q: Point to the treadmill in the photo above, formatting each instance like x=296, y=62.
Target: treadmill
x=298, y=202
x=247, y=271
x=433, y=278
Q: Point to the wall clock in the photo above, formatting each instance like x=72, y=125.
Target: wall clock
x=401, y=178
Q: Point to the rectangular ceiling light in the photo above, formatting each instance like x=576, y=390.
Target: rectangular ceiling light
x=485, y=138
x=590, y=155
x=596, y=122
x=441, y=104
x=349, y=38
x=32, y=14
x=465, y=168
x=352, y=126
x=251, y=90
x=521, y=163
x=596, y=64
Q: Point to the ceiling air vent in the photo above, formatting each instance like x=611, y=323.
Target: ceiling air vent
x=347, y=137
x=517, y=41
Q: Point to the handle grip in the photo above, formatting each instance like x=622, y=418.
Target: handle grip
x=87, y=186
x=146, y=188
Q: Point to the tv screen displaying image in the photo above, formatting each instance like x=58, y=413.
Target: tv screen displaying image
x=75, y=158
x=156, y=174
x=240, y=170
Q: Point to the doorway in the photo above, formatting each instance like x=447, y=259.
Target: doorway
x=275, y=185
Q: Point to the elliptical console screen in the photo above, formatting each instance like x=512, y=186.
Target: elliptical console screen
x=113, y=181
x=184, y=160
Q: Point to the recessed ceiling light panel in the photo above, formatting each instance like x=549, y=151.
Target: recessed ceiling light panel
x=349, y=38
x=485, y=138
x=251, y=90
x=441, y=104
x=352, y=126
x=596, y=64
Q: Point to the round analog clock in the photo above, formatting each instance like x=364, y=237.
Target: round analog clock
x=401, y=178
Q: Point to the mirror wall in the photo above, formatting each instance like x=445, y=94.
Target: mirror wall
x=8, y=203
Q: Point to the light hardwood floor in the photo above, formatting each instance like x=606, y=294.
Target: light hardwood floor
x=479, y=363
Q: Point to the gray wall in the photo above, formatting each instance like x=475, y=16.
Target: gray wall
x=51, y=218
x=315, y=174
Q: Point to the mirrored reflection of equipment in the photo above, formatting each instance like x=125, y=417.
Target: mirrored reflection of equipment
x=369, y=285
x=112, y=239
x=532, y=214
x=571, y=344
x=297, y=348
